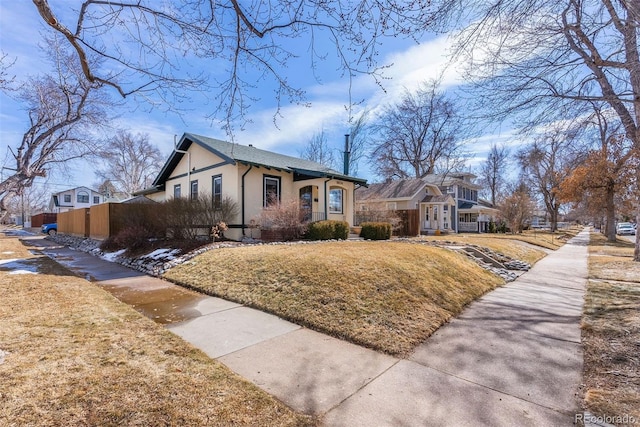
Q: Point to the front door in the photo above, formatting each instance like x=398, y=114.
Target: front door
x=427, y=218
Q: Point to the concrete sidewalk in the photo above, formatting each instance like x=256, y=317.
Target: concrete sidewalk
x=512, y=358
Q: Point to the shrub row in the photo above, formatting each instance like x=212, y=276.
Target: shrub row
x=376, y=230
x=327, y=230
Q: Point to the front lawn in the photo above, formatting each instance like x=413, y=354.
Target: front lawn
x=389, y=296
x=611, y=330
x=73, y=355
x=508, y=243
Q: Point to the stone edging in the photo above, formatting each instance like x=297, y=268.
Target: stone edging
x=158, y=265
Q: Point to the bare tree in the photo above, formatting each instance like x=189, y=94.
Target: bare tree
x=601, y=180
x=418, y=136
x=493, y=171
x=517, y=208
x=245, y=43
x=5, y=78
x=131, y=162
x=65, y=112
x=318, y=150
x=533, y=58
x=358, y=141
x=546, y=163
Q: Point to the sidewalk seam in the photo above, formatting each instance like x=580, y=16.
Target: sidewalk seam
x=361, y=387
x=561, y=411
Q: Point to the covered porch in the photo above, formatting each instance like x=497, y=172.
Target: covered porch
x=436, y=213
x=475, y=219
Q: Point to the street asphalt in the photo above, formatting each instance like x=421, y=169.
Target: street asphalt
x=513, y=357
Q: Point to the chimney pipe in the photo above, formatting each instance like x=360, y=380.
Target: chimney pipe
x=347, y=154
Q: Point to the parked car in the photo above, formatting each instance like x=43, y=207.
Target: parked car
x=622, y=224
x=626, y=230
x=50, y=229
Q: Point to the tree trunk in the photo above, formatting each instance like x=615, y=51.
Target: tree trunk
x=553, y=219
x=636, y=252
x=611, y=216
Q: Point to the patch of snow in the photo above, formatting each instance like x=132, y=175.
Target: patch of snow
x=19, y=266
x=112, y=256
x=3, y=354
x=162, y=253
x=7, y=252
x=22, y=272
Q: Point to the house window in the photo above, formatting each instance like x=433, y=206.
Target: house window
x=194, y=189
x=445, y=208
x=271, y=190
x=83, y=197
x=435, y=213
x=216, y=187
x=335, y=200
x=67, y=198
x=96, y=200
x=177, y=191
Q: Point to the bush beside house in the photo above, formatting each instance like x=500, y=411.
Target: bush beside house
x=328, y=230
x=375, y=231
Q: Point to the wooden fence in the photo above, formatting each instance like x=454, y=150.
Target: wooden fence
x=108, y=219
x=75, y=222
x=409, y=220
x=410, y=225
x=43, y=218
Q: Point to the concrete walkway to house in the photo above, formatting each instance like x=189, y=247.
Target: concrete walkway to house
x=512, y=358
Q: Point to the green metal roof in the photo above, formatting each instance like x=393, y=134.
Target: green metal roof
x=246, y=154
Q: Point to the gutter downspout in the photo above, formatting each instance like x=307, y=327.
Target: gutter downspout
x=175, y=148
x=242, y=198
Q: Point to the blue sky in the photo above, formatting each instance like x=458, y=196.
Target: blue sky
x=412, y=64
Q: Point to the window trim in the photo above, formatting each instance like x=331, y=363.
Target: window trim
x=84, y=195
x=278, y=180
x=216, y=204
x=67, y=198
x=177, y=187
x=331, y=210
x=193, y=195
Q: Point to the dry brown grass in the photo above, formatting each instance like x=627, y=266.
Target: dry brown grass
x=74, y=355
x=611, y=330
x=389, y=296
x=505, y=243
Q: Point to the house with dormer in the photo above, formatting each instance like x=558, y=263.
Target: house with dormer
x=442, y=202
x=433, y=208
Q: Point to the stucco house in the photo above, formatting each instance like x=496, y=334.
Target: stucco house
x=442, y=202
x=74, y=198
x=254, y=179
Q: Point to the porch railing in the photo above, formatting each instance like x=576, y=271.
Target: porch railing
x=468, y=226
x=308, y=216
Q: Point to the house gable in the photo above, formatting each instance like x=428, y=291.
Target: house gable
x=233, y=154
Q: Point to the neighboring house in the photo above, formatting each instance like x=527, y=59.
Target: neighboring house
x=74, y=198
x=435, y=209
x=443, y=202
x=471, y=214
x=254, y=179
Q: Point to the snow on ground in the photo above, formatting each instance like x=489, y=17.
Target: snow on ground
x=162, y=253
x=19, y=266
x=112, y=256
